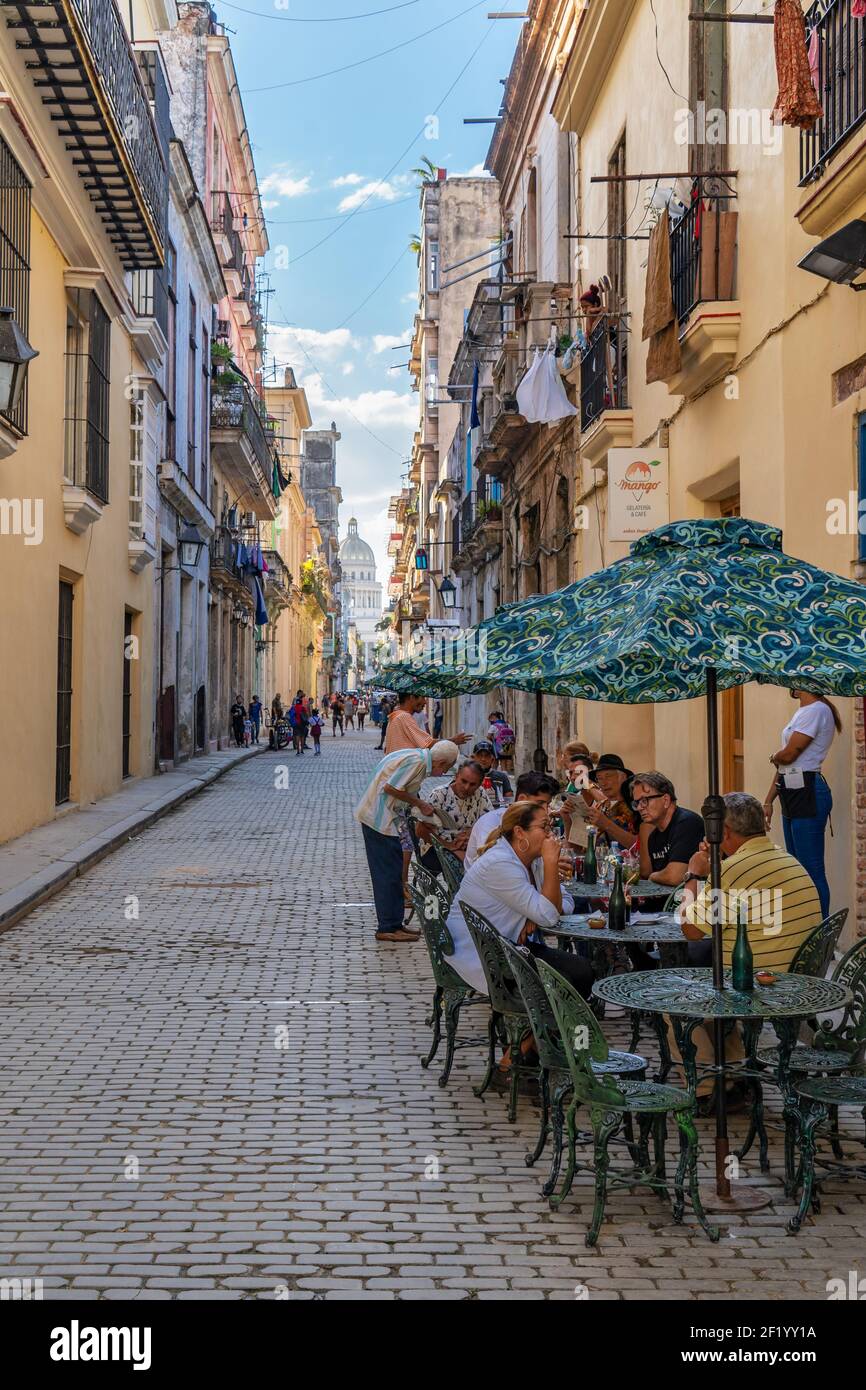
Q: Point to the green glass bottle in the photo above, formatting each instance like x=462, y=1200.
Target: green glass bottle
x=590, y=863
x=742, y=965
x=616, y=912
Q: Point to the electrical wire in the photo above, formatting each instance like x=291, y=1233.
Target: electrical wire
x=318, y=19
x=417, y=136
x=334, y=216
x=659, y=57
x=317, y=369
x=364, y=302
x=372, y=58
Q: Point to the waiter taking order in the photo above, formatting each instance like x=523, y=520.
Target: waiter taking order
x=403, y=732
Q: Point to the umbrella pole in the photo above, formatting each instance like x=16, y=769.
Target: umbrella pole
x=714, y=821
x=539, y=760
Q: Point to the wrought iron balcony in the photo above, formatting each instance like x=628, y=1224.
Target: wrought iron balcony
x=841, y=83
x=149, y=296
x=604, y=372
x=703, y=253
x=242, y=444
x=87, y=74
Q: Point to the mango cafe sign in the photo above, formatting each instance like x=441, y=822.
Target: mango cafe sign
x=637, y=492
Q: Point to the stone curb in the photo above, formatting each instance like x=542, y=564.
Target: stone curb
x=17, y=902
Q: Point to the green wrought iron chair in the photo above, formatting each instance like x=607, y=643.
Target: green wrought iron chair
x=509, y=1021
x=812, y=958
x=432, y=905
x=610, y=1099
x=837, y=1049
x=816, y=1098
x=451, y=866
x=553, y=1061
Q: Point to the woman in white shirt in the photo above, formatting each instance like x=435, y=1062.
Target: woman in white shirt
x=500, y=886
x=800, y=785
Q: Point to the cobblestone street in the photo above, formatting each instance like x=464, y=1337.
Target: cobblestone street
x=159, y=1142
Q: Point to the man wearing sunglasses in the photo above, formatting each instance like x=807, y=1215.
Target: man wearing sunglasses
x=669, y=834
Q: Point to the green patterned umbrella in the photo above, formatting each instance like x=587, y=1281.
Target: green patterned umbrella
x=696, y=607
x=692, y=595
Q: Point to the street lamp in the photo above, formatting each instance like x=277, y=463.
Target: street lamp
x=15, y=357
x=840, y=257
x=191, y=546
x=448, y=593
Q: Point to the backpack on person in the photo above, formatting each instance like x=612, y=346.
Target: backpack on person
x=504, y=739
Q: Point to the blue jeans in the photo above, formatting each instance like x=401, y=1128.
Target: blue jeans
x=385, y=862
x=804, y=838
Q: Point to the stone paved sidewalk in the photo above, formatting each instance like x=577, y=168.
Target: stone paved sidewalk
x=220, y=1097
x=36, y=865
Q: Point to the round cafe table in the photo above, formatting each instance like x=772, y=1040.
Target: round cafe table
x=644, y=888
x=645, y=930
x=687, y=997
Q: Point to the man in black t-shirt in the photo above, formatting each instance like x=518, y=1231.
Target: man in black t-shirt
x=669, y=834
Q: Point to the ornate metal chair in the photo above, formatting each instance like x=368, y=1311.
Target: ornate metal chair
x=814, y=1099
x=610, y=1099
x=509, y=1020
x=812, y=958
x=432, y=905
x=452, y=867
x=553, y=1061
x=837, y=1049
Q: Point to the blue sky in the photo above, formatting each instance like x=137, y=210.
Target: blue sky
x=321, y=148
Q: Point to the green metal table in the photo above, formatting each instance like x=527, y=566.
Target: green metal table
x=648, y=929
x=644, y=888
x=687, y=997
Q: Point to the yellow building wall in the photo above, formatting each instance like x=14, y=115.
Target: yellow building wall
x=98, y=565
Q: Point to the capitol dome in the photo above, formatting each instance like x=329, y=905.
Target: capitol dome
x=354, y=551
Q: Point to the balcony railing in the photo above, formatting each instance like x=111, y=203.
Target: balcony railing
x=223, y=222
x=478, y=507
x=150, y=297
x=236, y=407
x=604, y=372
x=841, y=83
x=703, y=253
x=79, y=55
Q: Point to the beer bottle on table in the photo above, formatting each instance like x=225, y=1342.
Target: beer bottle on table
x=616, y=912
x=742, y=976
x=590, y=863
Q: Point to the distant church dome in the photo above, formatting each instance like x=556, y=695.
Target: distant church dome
x=354, y=551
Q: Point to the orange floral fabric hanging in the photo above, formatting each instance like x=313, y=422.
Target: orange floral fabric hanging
x=797, y=103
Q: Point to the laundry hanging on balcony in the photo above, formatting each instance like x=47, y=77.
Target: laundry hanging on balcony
x=858, y=9
x=259, y=600
x=660, y=325
x=541, y=395
x=797, y=103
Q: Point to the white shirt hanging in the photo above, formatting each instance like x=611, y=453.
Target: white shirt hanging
x=541, y=394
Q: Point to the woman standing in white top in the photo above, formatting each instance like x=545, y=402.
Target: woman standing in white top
x=800, y=785
x=500, y=886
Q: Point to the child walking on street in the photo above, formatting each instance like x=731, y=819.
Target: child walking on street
x=317, y=723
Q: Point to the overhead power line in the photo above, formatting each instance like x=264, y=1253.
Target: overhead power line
x=373, y=57
x=319, y=19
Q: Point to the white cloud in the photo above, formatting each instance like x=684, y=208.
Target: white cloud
x=383, y=342
x=378, y=190
x=268, y=203
x=348, y=368
x=410, y=298
x=347, y=181
x=281, y=182
x=477, y=171
x=328, y=345
x=378, y=410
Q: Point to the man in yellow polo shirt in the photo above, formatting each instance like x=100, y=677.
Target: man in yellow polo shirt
x=782, y=910
x=781, y=900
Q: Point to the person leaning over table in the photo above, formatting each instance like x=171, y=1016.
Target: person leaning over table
x=464, y=801
x=396, y=783
x=801, y=787
x=781, y=902
x=500, y=886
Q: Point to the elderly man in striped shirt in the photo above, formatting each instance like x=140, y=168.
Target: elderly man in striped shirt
x=396, y=783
